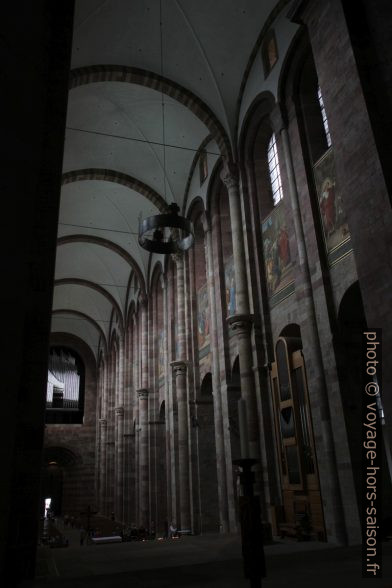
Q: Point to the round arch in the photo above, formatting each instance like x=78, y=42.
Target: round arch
x=109, y=175
x=109, y=245
x=93, y=286
x=134, y=75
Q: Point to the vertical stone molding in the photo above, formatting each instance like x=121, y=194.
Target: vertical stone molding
x=119, y=448
x=241, y=323
x=169, y=424
x=103, y=424
x=142, y=395
x=217, y=399
x=180, y=376
x=144, y=342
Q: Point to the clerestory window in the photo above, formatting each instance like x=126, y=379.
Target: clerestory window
x=274, y=171
x=324, y=117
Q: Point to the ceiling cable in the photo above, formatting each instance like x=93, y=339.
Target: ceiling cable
x=98, y=228
x=113, y=136
x=163, y=103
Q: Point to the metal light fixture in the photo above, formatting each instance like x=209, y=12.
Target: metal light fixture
x=168, y=232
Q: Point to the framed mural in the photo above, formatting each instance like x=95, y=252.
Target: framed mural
x=203, y=317
x=230, y=287
x=333, y=219
x=276, y=247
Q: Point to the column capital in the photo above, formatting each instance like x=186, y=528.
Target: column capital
x=230, y=175
x=277, y=118
x=240, y=323
x=103, y=423
x=178, y=257
x=142, y=394
x=179, y=366
x=163, y=281
x=119, y=410
x=143, y=300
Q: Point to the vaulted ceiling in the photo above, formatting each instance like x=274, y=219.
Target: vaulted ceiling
x=126, y=72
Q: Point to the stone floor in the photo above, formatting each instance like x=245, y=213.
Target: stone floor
x=202, y=561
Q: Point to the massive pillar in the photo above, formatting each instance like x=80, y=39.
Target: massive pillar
x=119, y=479
x=216, y=389
x=356, y=80
x=168, y=405
x=143, y=459
x=119, y=434
x=180, y=375
x=136, y=380
x=332, y=499
x=143, y=422
x=128, y=433
x=102, y=466
x=36, y=48
x=241, y=322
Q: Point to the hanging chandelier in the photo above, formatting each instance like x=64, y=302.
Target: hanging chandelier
x=168, y=232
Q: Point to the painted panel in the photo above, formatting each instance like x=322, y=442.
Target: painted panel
x=277, y=256
x=161, y=352
x=230, y=287
x=203, y=318
x=333, y=219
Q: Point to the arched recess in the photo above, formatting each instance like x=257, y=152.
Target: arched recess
x=199, y=302
x=233, y=396
x=272, y=235
x=301, y=513
x=110, y=175
x=66, y=386
x=55, y=460
x=209, y=500
x=133, y=75
x=75, y=458
x=162, y=472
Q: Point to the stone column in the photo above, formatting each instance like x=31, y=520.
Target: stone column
x=216, y=389
x=180, y=374
x=136, y=380
x=241, y=322
x=119, y=448
x=120, y=412
x=168, y=403
x=110, y=437
x=143, y=419
x=143, y=458
x=333, y=508
x=102, y=469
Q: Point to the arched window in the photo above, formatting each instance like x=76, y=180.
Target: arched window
x=324, y=116
x=65, y=387
x=269, y=52
x=274, y=171
x=203, y=166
